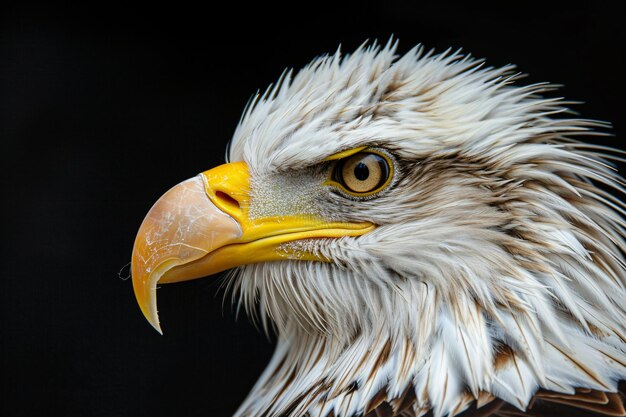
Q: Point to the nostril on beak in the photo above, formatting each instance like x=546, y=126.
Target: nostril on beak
x=227, y=200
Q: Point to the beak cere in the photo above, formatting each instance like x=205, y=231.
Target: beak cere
x=201, y=227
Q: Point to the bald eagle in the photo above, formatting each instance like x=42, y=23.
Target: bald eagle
x=423, y=235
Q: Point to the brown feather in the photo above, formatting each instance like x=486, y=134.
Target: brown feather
x=376, y=401
x=404, y=402
x=584, y=403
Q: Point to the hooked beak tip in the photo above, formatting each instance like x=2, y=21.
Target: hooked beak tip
x=184, y=225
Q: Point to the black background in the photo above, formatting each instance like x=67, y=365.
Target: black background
x=103, y=109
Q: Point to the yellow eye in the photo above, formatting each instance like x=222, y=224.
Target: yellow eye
x=363, y=174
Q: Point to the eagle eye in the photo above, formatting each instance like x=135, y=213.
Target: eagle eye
x=363, y=174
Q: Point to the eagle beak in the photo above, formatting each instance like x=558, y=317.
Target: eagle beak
x=202, y=227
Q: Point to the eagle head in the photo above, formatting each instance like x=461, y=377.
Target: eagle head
x=421, y=234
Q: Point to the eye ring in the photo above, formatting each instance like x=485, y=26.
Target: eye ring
x=363, y=173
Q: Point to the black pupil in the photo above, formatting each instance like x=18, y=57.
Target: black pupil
x=361, y=172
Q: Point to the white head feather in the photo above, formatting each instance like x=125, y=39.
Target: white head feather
x=497, y=267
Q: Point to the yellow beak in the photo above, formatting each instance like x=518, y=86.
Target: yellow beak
x=201, y=227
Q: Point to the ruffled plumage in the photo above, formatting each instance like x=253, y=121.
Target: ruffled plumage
x=496, y=270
